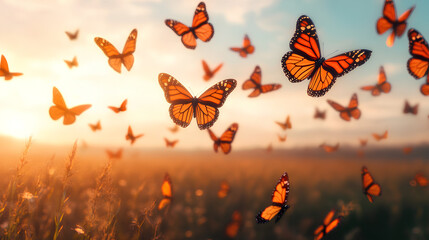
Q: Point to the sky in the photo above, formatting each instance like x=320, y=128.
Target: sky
x=34, y=43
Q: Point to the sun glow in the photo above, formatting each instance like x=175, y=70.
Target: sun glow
x=16, y=124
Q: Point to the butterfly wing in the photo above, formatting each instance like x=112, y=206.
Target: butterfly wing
x=111, y=52
x=167, y=191
x=203, y=29
x=370, y=188
x=402, y=25
x=124, y=105
x=207, y=72
x=389, y=17
x=127, y=57
x=227, y=138
x=418, y=64
x=248, y=48
x=215, y=140
x=73, y=36
x=4, y=67
x=224, y=189
x=353, y=107
x=59, y=109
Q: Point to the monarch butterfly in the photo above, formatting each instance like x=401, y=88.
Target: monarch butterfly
x=363, y=142
x=95, y=127
x=282, y=138
x=4, y=70
x=204, y=108
x=330, y=148
x=169, y=143
x=381, y=86
x=225, y=141
x=327, y=226
x=114, y=155
x=320, y=114
x=286, y=125
x=72, y=63
x=234, y=226
x=380, y=137
x=279, y=201
x=370, y=188
x=208, y=73
x=174, y=129
x=305, y=61
x=130, y=135
x=407, y=150
x=410, y=109
x=115, y=57
x=247, y=48
x=167, y=192
x=255, y=82
x=60, y=109
x=121, y=108
x=418, y=64
x=73, y=36
x=419, y=179
x=389, y=20
x=346, y=113
x=223, y=190
x=200, y=28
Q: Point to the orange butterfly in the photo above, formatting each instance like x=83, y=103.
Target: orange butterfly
x=286, y=124
x=370, y=188
x=204, y=108
x=169, y=143
x=208, y=73
x=115, y=57
x=247, y=48
x=346, y=113
x=279, y=201
x=255, y=82
x=380, y=137
x=407, y=150
x=381, y=86
x=73, y=36
x=224, y=189
x=4, y=70
x=95, y=127
x=330, y=148
x=200, y=28
x=419, y=179
x=60, y=109
x=114, y=155
x=130, y=136
x=389, y=21
x=411, y=109
x=174, y=129
x=320, y=114
x=232, y=228
x=225, y=141
x=418, y=64
x=327, y=226
x=122, y=108
x=72, y=63
x=282, y=138
x=167, y=192
x=363, y=142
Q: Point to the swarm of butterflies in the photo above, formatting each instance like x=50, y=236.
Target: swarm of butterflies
x=303, y=61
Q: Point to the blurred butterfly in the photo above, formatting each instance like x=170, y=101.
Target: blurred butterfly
x=130, y=136
x=4, y=70
x=115, y=57
x=167, y=192
x=327, y=226
x=361, y=153
x=225, y=141
x=95, y=127
x=60, y=109
x=255, y=82
x=410, y=109
x=286, y=124
x=73, y=36
x=419, y=179
x=232, y=228
x=363, y=142
x=174, y=129
x=346, y=113
x=381, y=86
x=208, y=73
x=418, y=64
x=72, y=63
x=247, y=48
x=370, y=188
x=319, y=114
x=407, y=150
x=389, y=21
x=114, y=155
x=169, y=143
x=200, y=28
x=279, y=201
x=282, y=138
x=269, y=148
x=184, y=106
x=223, y=190
x=330, y=148
x=121, y=108
x=305, y=61
x=380, y=137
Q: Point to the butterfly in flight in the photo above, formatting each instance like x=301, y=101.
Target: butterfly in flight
x=121, y=108
x=389, y=21
x=4, y=70
x=174, y=129
x=305, y=60
x=167, y=192
x=346, y=113
x=60, y=109
x=114, y=155
x=328, y=225
x=255, y=82
x=410, y=109
x=370, y=188
x=169, y=143
x=286, y=125
x=420, y=180
x=418, y=64
x=223, y=190
x=225, y=141
x=208, y=73
x=72, y=63
x=232, y=228
x=116, y=59
x=380, y=137
x=73, y=36
x=330, y=148
x=320, y=114
x=279, y=201
x=381, y=86
x=130, y=135
x=204, y=108
x=281, y=138
x=247, y=48
x=363, y=142
x=95, y=127
x=200, y=28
